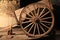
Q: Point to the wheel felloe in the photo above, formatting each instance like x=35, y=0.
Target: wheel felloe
x=38, y=20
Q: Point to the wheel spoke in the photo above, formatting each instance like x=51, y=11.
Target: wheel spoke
x=45, y=25
x=42, y=28
x=46, y=18
x=42, y=12
x=46, y=22
x=31, y=28
x=27, y=18
x=34, y=29
x=45, y=14
x=38, y=11
x=26, y=22
x=34, y=10
x=29, y=15
x=38, y=29
x=31, y=12
x=27, y=26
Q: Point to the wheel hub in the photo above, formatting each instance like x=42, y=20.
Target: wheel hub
x=35, y=19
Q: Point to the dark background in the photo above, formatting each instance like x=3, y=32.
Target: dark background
x=56, y=11
x=24, y=3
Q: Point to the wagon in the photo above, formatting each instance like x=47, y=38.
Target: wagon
x=36, y=19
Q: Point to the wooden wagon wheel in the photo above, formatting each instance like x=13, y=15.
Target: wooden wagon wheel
x=36, y=20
